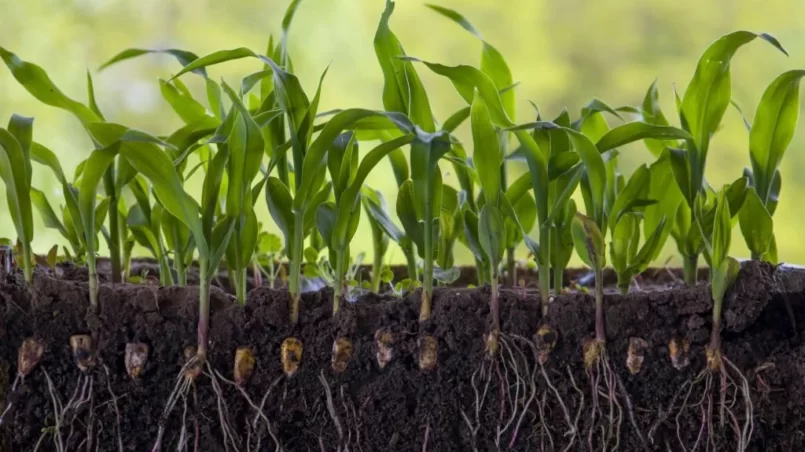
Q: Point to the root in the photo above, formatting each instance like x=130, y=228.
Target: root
x=697, y=396
x=223, y=413
x=113, y=400
x=605, y=423
x=260, y=414
x=65, y=415
x=180, y=390
x=11, y=398
x=331, y=409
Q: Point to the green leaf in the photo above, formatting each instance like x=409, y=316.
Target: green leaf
x=189, y=109
x=184, y=57
x=724, y=276
x=49, y=217
x=595, y=171
x=93, y=104
x=36, y=81
x=650, y=248
x=634, y=131
x=774, y=193
x=376, y=208
x=773, y=129
x=708, y=95
x=652, y=114
x=623, y=232
x=629, y=197
x=756, y=224
x=588, y=241
x=680, y=169
x=325, y=221
x=45, y=156
x=663, y=188
x=406, y=212
x=280, y=203
x=155, y=166
x=722, y=228
x=486, y=156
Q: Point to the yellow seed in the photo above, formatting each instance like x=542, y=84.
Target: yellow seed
x=83, y=351
x=679, y=351
x=714, y=360
x=135, y=358
x=193, y=361
x=492, y=343
x=29, y=355
x=592, y=351
x=545, y=339
x=635, y=355
x=244, y=364
x=384, y=343
x=428, y=352
x=342, y=352
x=291, y=351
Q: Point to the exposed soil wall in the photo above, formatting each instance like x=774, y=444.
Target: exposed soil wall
x=401, y=408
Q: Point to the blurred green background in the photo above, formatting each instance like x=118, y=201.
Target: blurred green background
x=563, y=53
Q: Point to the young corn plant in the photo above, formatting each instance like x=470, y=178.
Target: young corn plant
x=697, y=394
x=338, y=221
x=769, y=136
x=625, y=217
x=494, y=65
x=15, y=170
x=701, y=109
x=383, y=230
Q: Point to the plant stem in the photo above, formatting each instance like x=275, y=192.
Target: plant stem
x=93, y=282
x=203, y=308
x=340, y=270
x=600, y=334
x=294, y=279
x=427, y=276
x=544, y=268
x=495, y=302
x=756, y=256
x=624, y=285
x=181, y=272
x=27, y=266
x=691, y=269
x=410, y=260
x=114, y=239
x=240, y=286
x=558, y=280
x=165, y=276
x=377, y=263
x=481, y=272
x=511, y=264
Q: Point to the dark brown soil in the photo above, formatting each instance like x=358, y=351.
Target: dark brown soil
x=399, y=408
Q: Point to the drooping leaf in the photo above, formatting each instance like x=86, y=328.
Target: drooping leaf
x=36, y=81
x=588, y=241
x=634, y=131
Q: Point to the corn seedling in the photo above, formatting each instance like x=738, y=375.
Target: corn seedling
x=700, y=112
x=697, y=394
x=769, y=136
x=15, y=169
x=625, y=216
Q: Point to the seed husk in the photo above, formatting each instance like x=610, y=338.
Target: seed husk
x=342, y=352
x=714, y=359
x=591, y=348
x=291, y=351
x=428, y=352
x=492, y=343
x=679, y=349
x=244, y=364
x=135, y=359
x=83, y=351
x=384, y=343
x=545, y=340
x=29, y=355
x=194, y=365
x=636, y=354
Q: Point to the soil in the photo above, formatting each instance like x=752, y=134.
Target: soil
x=400, y=407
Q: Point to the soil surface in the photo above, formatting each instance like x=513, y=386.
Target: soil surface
x=469, y=402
